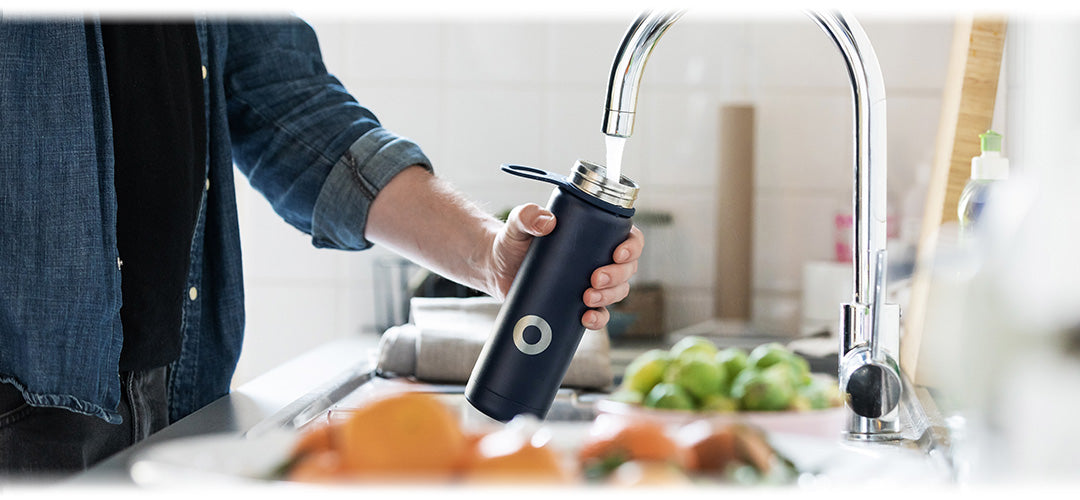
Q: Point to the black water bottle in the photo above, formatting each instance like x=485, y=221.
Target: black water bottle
x=539, y=326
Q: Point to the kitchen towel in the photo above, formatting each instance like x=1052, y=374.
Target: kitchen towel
x=444, y=339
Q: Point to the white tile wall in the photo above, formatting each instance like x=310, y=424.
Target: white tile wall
x=373, y=52
x=580, y=52
x=572, y=130
x=495, y=53
x=697, y=52
x=913, y=121
x=792, y=53
x=283, y=321
x=682, y=254
x=903, y=47
x=680, y=127
x=803, y=140
x=477, y=94
x=490, y=126
x=276, y=252
x=789, y=222
x=415, y=109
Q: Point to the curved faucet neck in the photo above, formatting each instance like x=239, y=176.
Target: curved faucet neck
x=868, y=91
x=870, y=150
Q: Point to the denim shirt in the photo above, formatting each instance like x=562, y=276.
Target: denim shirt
x=271, y=107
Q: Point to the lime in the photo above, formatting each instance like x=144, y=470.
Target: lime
x=800, y=403
x=719, y=403
x=669, y=396
x=628, y=396
x=646, y=370
x=699, y=375
x=821, y=393
x=832, y=392
x=733, y=360
x=773, y=353
x=762, y=390
x=693, y=346
x=802, y=369
x=766, y=355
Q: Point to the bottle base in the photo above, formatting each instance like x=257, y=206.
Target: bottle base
x=498, y=407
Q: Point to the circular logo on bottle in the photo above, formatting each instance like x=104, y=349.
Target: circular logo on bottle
x=519, y=334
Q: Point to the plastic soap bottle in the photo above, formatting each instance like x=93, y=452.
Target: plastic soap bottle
x=986, y=169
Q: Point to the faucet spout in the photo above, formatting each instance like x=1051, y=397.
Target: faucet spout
x=869, y=344
x=628, y=67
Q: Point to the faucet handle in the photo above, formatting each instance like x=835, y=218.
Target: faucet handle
x=870, y=386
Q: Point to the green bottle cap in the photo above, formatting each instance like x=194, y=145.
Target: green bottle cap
x=990, y=141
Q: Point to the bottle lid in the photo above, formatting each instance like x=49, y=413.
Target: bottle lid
x=990, y=165
x=990, y=141
x=592, y=179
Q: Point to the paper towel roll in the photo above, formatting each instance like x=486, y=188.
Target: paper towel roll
x=826, y=285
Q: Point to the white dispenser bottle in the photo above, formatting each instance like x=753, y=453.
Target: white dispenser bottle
x=986, y=169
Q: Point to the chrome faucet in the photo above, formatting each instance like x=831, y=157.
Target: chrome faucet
x=869, y=372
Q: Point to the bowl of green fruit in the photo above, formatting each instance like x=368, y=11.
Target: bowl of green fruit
x=769, y=386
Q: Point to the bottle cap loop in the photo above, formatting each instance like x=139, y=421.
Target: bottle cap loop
x=589, y=182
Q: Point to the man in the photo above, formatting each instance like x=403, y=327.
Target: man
x=121, y=300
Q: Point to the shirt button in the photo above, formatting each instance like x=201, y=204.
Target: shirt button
x=207, y=184
x=204, y=72
x=192, y=293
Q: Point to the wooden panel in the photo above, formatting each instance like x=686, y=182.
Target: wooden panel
x=735, y=217
x=967, y=111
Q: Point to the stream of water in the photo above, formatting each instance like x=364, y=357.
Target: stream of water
x=615, y=146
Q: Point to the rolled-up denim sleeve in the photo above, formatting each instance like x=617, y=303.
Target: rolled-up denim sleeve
x=302, y=140
x=342, y=206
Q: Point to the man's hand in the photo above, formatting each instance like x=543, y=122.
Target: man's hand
x=610, y=283
x=425, y=219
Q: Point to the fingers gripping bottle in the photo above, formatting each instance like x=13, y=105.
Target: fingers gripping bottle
x=539, y=326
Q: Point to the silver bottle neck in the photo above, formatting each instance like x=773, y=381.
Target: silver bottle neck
x=592, y=179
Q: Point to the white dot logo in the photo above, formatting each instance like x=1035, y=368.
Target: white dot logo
x=519, y=335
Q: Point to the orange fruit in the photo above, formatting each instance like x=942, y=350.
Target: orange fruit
x=528, y=463
x=519, y=452
x=313, y=440
x=712, y=446
x=406, y=434
x=714, y=451
x=633, y=439
x=472, y=450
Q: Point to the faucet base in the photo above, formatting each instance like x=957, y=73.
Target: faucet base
x=872, y=437
x=872, y=429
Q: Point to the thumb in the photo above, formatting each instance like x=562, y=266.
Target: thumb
x=529, y=220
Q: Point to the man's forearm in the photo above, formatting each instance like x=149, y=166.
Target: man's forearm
x=423, y=218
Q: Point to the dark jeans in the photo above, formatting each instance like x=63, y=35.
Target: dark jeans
x=36, y=441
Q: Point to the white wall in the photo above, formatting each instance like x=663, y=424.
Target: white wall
x=530, y=91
